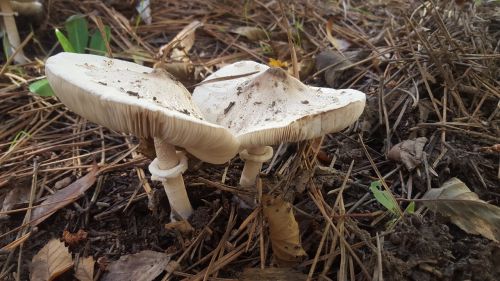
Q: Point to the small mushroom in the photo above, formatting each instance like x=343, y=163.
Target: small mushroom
x=32, y=8
x=269, y=106
x=148, y=103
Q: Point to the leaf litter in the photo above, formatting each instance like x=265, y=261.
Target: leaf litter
x=63, y=197
x=416, y=87
x=84, y=269
x=283, y=231
x=51, y=261
x=143, y=266
x=464, y=208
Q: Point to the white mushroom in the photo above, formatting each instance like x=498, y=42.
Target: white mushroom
x=9, y=9
x=31, y=8
x=269, y=106
x=148, y=103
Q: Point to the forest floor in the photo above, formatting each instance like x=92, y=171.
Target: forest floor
x=430, y=72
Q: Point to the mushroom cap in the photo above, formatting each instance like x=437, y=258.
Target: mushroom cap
x=135, y=99
x=271, y=106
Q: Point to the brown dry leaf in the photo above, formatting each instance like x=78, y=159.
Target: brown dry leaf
x=51, y=261
x=62, y=183
x=103, y=263
x=180, y=65
x=408, y=152
x=74, y=238
x=253, y=33
x=84, y=270
x=181, y=70
x=16, y=196
x=272, y=274
x=63, y=197
x=464, y=208
x=491, y=149
x=182, y=226
x=183, y=41
x=337, y=43
x=283, y=231
x=143, y=266
x=336, y=66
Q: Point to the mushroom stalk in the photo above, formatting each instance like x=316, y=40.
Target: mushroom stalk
x=168, y=159
x=11, y=30
x=254, y=158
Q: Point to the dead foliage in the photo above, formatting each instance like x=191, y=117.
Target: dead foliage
x=429, y=69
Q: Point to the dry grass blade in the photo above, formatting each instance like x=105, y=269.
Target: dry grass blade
x=14, y=244
x=51, y=261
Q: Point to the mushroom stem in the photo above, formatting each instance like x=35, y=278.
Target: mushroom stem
x=11, y=30
x=254, y=158
x=174, y=185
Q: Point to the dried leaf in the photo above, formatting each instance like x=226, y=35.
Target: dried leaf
x=283, y=231
x=63, y=197
x=74, y=238
x=143, y=266
x=409, y=152
x=51, y=261
x=491, y=149
x=16, y=195
x=181, y=70
x=464, y=208
x=251, y=32
x=103, y=263
x=338, y=44
x=62, y=183
x=182, y=226
x=336, y=66
x=84, y=270
x=184, y=40
x=272, y=274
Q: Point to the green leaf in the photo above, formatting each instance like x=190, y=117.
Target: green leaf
x=383, y=197
x=410, y=209
x=97, y=44
x=63, y=40
x=78, y=32
x=7, y=49
x=41, y=88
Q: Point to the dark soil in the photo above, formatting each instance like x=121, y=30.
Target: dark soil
x=426, y=249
